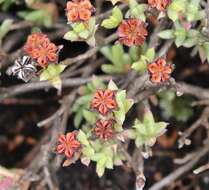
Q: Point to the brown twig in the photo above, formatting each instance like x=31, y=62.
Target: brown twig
x=202, y=120
x=29, y=87
x=181, y=170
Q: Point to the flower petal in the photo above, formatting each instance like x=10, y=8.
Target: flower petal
x=153, y=68
x=156, y=78
x=84, y=14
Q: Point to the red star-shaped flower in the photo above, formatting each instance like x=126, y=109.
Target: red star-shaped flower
x=79, y=10
x=45, y=53
x=104, y=129
x=159, y=71
x=68, y=144
x=104, y=101
x=159, y=4
x=132, y=32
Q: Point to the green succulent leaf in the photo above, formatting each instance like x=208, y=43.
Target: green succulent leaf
x=150, y=54
x=78, y=27
x=39, y=17
x=6, y=4
x=52, y=74
x=100, y=167
x=147, y=130
x=82, y=138
x=5, y=28
x=114, y=20
x=124, y=105
x=140, y=66
x=180, y=35
x=78, y=118
x=175, y=8
x=137, y=10
x=192, y=38
x=166, y=34
x=190, y=9
x=118, y=58
x=90, y=116
x=174, y=106
x=147, y=56
x=71, y=36
x=88, y=151
x=134, y=53
x=82, y=32
x=206, y=50
x=104, y=159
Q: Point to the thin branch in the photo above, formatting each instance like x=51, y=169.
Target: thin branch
x=181, y=170
x=202, y=120
x=29, y=87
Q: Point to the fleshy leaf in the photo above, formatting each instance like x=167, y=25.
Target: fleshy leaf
x=4, y=28
x=146, y=56
x=124, y=105
x=166, y=34
x=119, y=58
x=52, y=74
x=137, y=10
x=150, y=54
x=114, y=20
x=139, y=66
x=88, y=151
x=174, y=106
x=71, y=35
x=147, y=131
x=89, y=116
x=83, y=32
x=82, y=138
x=40, y=17
x=112, y=86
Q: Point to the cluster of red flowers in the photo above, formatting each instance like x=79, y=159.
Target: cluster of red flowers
x=79, y=10
x=39, y=48
x=159, y=71
x=132, y=32
x=159, y=4
x=104, y=102
x=68, y=144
